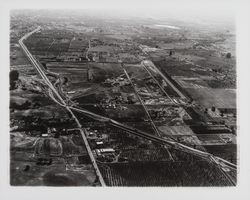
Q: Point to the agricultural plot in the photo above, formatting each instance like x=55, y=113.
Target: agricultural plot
x=136, y=71
x=217, y=139
x=174, y=67
x=78, y=44
x=187, y=82
x=142, y=154
x=194, y=173
x=227, y=151
x=220, y=98
x=181, y=133
x=175, y=130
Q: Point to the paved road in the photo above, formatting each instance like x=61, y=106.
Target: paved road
x=62, y=102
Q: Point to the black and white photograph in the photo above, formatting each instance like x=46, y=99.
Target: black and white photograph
x=129, y=94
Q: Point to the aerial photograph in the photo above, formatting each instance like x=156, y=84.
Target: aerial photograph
x=108, y=99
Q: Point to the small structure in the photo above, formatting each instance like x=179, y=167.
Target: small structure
x=99, y=142
x=106, y=151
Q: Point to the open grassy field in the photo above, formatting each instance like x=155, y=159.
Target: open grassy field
x=136, y=71
x=26, y=169
x=175, y=130
x=52, y=175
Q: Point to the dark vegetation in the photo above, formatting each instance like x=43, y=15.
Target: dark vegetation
x=14, y=76
x=180, y=172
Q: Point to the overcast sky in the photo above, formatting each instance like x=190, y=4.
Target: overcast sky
x=209, y=9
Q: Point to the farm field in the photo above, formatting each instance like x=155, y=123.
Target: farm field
x=227, y=151
x=220, y=98
x=163, y=174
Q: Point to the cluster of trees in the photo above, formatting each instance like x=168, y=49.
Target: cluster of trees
x=14, y=77
x=171, y=53
x=228, y=55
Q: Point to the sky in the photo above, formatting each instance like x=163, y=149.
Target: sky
x=210, y=9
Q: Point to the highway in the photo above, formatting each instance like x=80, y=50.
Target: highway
x=221, y=163
x=62, y=102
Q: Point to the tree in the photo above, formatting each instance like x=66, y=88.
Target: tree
x=228, y=55
x=14, y=75
x=213, y=109
x=170, y=53
x=26, y=168
x=64, y=80
x=44, y=66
